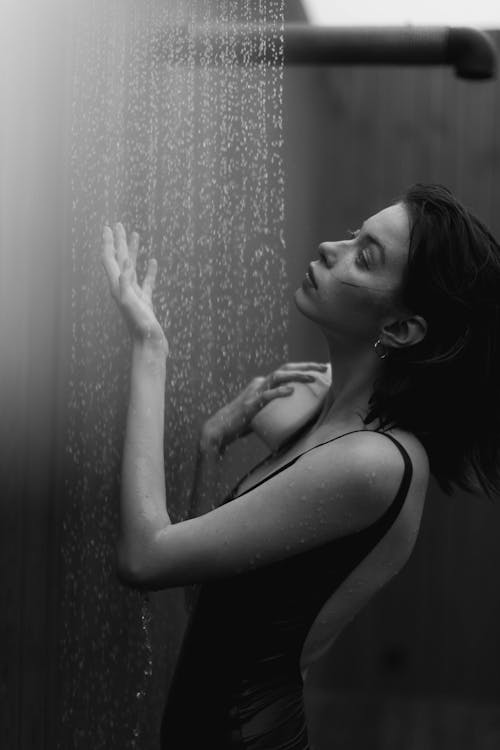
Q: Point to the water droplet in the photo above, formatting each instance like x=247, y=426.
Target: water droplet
x=188, y=153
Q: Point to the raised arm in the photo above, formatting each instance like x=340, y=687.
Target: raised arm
x=328, y=494
x=143, y=502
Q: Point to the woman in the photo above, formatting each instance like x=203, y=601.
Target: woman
x=408, y=306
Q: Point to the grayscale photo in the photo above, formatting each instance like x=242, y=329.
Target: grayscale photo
x=249, y=375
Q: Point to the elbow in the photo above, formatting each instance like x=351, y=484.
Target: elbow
x=136, y=572
x=128, y=571
x=130, y=579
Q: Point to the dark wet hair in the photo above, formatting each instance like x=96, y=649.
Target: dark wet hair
x=446, y=388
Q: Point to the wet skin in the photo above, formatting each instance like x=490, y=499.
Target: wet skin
x=357, y=278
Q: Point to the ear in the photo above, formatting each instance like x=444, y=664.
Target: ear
x=404, y=332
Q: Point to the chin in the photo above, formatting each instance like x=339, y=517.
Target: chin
x=303, y=305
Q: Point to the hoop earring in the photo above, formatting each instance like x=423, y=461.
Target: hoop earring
x=379, y=343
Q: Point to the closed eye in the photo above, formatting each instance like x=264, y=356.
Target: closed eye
x=361, y=258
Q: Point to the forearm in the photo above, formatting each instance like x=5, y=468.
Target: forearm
x=143, y=510
x=207, y=473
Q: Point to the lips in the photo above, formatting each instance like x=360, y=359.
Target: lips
x=311, y=276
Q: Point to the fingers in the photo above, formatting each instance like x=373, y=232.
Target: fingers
x=120, y=244
x=122, y=250
x=108, y=259
x=269, y=395
x=115, y=253
x=150, y=278
x=285, y=376
x=280, y=377
x=125, y=279
x=134, y=249
x=132, y=253
x=305, y=366
x=278, y=382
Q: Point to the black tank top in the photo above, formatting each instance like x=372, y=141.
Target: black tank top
x=237, y=682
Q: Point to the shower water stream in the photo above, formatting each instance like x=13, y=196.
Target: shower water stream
x=188, y=154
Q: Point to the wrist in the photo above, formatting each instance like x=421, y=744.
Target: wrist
x=153, y=352
x=211, y=442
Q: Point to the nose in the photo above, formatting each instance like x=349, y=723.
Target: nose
x=328, y=251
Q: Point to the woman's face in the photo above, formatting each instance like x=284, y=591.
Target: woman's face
x=355, y=279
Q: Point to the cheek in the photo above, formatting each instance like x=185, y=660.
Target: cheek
x=354, y=306
x=353, y=295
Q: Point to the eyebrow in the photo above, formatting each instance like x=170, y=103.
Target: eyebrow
x=376, y=242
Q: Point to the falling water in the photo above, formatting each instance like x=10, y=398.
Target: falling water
x=182, y=144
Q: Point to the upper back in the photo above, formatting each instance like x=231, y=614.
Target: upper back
x=393, y=545
x=377, y=568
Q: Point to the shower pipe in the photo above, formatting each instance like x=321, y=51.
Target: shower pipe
x=470, y=51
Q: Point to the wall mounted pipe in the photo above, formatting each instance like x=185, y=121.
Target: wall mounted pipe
x=470, y=51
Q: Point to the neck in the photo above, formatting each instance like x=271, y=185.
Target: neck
x=353, y=378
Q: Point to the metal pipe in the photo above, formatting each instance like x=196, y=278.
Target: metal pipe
x=470, y=51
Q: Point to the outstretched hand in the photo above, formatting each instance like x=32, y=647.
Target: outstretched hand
x=134, y=302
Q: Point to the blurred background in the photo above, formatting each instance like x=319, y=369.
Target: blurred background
x=232, y=176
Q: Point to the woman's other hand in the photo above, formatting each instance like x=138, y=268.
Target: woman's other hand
x=233, y=420
x=134, y=302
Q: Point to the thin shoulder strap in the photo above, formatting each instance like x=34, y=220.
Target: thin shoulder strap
x=366, y=539
x=289, y=463
x=389, y=516
x=232, y=493
x=296, y=435
x=371, y=535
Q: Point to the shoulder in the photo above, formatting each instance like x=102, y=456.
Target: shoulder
x=416, y=451
x=358, y=453
x=373, y=451
x=361, y=472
